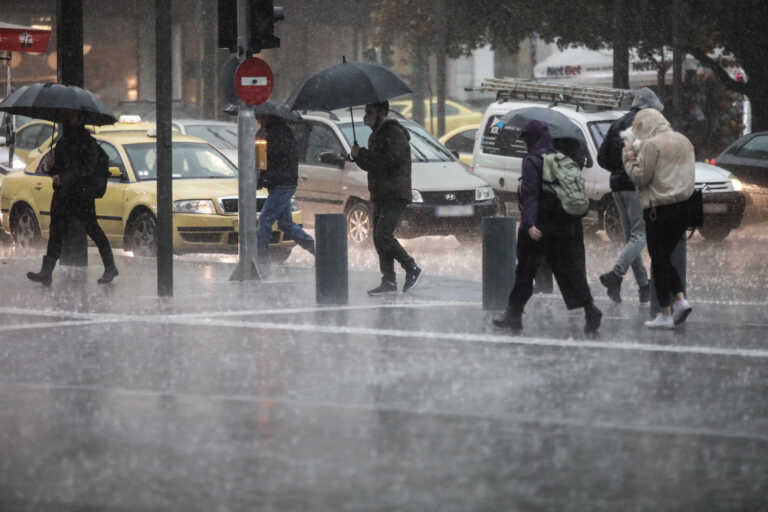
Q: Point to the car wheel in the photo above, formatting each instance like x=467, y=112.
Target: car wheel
x=24, y=228
x=714, y=233
x=278, y=255
x=612, y=223
x=141, y=235
x=359, y=224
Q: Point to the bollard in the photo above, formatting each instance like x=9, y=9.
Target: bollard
x=678, y=261
x=331, y=261
x=499, y=246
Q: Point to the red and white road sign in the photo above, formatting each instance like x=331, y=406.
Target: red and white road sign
x=253, y=81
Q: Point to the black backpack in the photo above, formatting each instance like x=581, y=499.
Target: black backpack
x=94, y=185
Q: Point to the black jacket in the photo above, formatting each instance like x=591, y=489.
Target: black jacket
x=77, y=157
x=282, y=157
x=388, y=162
x=609, y=155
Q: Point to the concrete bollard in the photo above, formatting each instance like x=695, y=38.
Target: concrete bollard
x=499, y=257
x=331, y=260
x=678, y=261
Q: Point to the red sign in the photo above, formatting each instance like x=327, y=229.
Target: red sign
x=17, y=38
x=253, y=81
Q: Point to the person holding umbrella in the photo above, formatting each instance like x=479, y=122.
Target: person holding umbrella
x=280, y=179
x=72, y=164
x=547, y=232
x=388, y=163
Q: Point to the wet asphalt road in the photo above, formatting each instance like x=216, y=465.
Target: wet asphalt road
x=247, y=396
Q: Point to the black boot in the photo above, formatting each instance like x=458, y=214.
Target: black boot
x=43, y=277
x=592, y=317
x=110, y=270
x=612, y=282
x=645, y=294
x=510, y=320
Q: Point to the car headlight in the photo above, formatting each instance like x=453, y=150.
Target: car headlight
x=483, y=194
x=295, y=205
x=737, y=185
x=194, y=206
x=416, y=196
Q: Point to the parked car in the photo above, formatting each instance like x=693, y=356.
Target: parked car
x=500, y=165
x=456, y=114
x=461, y=142
x=447, y=198
x=205, y=198
x=220, y=134
x=747, y=159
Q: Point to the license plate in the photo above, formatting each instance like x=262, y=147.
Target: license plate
x=715, y=208
x=466, y=210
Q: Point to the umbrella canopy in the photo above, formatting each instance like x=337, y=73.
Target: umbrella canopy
x=560, y=127
x=55, y=102
x=268, y=108
x=346, y=85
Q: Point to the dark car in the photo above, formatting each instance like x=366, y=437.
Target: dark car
x=747, y=159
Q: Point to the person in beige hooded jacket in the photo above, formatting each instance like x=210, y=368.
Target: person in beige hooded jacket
x=660, y=162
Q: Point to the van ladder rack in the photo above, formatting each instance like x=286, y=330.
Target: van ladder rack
x=515, y=88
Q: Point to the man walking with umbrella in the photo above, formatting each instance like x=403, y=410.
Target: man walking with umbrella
x=73, y=164
x=388, y=163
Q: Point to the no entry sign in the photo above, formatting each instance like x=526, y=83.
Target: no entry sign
x=253, y=81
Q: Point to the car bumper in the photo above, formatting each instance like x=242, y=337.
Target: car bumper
x=725, y=208
x=216, y=233
x=428, y=219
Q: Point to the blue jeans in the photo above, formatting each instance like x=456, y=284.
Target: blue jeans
x=277, y=207
x=631, y=215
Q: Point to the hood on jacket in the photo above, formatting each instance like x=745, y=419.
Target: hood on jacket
x=536, y=136
x=649, y=122
x=646, y=98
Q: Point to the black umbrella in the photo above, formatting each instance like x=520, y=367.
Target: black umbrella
x=55, y=102
x=346, y=85
x=268, y=108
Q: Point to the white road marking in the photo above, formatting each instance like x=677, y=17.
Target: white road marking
x=49, y=325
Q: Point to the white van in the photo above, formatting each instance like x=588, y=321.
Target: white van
x=501, y=165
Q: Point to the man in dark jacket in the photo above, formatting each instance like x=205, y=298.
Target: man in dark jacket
x=548, y=233
x=280, y=180
x=625, y=198
x=388, y=163
x=72, y=164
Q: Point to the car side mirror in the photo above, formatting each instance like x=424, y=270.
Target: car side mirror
x=115, y=172
x=331, y=158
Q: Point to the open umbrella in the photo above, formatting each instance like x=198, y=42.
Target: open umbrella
x=567, y=137
x=55, y=102
x=346, y=85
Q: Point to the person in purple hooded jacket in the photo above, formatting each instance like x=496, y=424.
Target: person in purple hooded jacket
x=547, y=232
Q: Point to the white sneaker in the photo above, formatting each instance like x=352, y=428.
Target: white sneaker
x=661, y=322
x=681, y=310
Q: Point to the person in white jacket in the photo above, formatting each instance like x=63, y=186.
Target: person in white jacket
x=660, y=162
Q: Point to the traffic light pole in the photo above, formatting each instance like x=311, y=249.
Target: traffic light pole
x=246, y=154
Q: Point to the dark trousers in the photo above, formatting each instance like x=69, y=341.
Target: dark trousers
x=665, y=227
x=563, y=250
x=65, y=208
x=386, y=218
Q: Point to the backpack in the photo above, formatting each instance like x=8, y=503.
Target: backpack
x=95, y=184
x=561, y=176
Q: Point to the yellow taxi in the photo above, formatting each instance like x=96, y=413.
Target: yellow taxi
x=461, y=142
x=205, y=198
x=456, y=114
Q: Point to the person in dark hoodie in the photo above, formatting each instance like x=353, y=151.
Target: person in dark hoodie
x=627, y=204
x=547, y=232
x=72, y=163
x=388, y=163
x=280, y=180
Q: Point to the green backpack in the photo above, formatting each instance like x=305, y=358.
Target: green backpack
x=561, y=176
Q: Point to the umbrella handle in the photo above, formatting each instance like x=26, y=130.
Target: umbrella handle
x=352, y=116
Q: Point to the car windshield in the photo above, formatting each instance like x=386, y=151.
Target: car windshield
x=598, y=130
x=424, y=147
x=218, y=136
x=191, y=160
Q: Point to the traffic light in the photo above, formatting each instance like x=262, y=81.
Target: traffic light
x=264, y=15
x=261, y=27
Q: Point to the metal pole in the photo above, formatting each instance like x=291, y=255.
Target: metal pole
x=499, y=246
x=164, y=149
x=331, y=259
x=246, y=154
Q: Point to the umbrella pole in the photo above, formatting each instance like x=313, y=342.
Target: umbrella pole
x=352, y=116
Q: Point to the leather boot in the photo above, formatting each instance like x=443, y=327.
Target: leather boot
x=43, y=277
x=110, y=270
x=510, y=320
